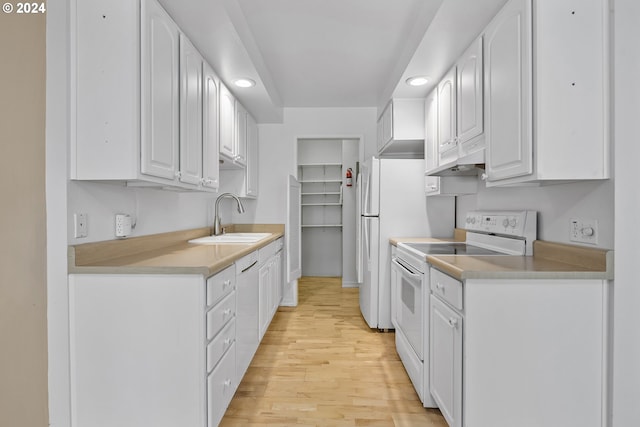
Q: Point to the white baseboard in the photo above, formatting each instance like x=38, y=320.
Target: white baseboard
x=350, y=284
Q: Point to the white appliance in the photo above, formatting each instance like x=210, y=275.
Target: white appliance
x=392, y=204
x=488, y=233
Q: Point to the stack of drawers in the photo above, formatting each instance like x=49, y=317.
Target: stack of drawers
x=221, y=338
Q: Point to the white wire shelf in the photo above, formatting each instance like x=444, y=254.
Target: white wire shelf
x=302, y=181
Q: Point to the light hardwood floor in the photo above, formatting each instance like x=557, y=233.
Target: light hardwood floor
x=319, y=364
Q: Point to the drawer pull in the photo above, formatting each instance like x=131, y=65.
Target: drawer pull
x=226, y=312
x=453, y=322
x=440, y=286
x=227, y=383
x=226, y=284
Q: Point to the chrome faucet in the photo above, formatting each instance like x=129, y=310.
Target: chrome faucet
x=217, y=225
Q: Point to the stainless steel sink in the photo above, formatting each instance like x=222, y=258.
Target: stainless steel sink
x=231, y=238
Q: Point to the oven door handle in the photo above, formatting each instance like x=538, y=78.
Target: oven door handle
x=405, y=267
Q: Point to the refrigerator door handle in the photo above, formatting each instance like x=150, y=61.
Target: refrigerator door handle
x=359, y=272
x=366, y=221
x=367, y=191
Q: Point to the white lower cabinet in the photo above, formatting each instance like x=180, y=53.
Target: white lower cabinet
x=152, y=349
x=269, y=283
x=521, y=352
x=446, y=360
x=221, y=385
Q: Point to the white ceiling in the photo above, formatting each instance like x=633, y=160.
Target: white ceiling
x=329, y=53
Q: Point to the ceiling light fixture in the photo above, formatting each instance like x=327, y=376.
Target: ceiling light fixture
x=244, y=82
x=417, y=81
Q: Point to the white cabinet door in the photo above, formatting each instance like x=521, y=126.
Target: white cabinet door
x=445, y=361
x=210, y=151
x=227, y=122
x=279, y=279
x=379, y=134
x=160, y=102
x=241, y=134
x=447, y=143
x=128, y=348
x=190, y=113
x=469, y=98
x=252, y=157
x=431, y=142
x=508, y=92
x=264, y=285
x=274, y=300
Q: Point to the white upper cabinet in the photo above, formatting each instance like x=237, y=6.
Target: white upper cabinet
x=460, y=107
x=210, y=129
x=241, y=135
x=387, y=124
x=447, y=140
x=509, y=92
x=252, y=157
x=440, y=185
x=227, y=123
x=137, y=99
x=470, y=120
x=191, y=81
x=401, y=129
x=240, y=172
x=431, y=140
x=557, y=129
x=160, y=88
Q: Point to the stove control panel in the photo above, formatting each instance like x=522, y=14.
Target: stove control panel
x=511, y=223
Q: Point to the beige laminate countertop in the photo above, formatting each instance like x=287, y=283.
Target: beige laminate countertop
x=167, y=253
x=550, y=260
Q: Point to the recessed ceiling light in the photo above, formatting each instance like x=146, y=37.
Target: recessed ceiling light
x=244, y=82
x=417, y=81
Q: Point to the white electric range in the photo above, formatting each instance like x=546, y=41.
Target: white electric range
x=499, y=233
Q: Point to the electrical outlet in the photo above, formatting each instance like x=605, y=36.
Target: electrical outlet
x=80, y=225
x=123, y=225
x=584, y=230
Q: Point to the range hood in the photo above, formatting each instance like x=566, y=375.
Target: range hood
x=470, y=164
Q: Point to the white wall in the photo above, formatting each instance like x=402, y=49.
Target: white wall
x=154, y=210
x=626, y=357
x=278, y=155
x=556, y=205
x=278, y=151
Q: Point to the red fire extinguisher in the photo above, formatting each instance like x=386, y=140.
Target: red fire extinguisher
x=349, y=177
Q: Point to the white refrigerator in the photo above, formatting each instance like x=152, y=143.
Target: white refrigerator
x=392, y=203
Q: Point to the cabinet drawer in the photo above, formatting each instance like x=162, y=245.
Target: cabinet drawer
x=446, y=288
x=220, y=285
x=220, y=344
x=221, y=385
x=219, y=315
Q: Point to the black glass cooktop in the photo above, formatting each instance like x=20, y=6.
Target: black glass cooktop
x=449, y=249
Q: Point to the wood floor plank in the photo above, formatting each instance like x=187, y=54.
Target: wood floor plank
x=319, y=364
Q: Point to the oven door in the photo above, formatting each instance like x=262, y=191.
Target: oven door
x=408, y=303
